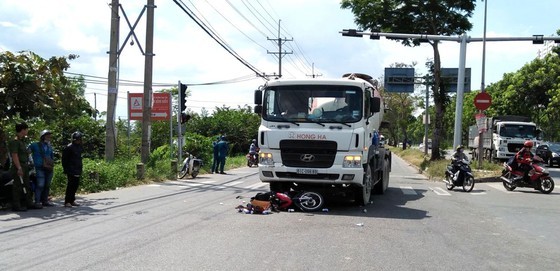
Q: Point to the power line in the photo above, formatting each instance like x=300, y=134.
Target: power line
x=217, y=39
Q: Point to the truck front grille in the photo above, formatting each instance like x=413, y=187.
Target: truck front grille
x=308, y=153
x=514, y=147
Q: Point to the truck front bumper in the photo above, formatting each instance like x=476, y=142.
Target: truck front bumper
x=333, y=175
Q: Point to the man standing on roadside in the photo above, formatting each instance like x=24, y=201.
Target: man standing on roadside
x=223, y=148
x=21, y=189
x=43, y=159
x=72, y=165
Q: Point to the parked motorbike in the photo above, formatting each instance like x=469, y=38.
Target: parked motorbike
x=539, y=177
x=252, y=159
x=462, y=177
x=190, y=166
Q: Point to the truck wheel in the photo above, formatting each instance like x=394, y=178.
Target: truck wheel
x=363, y=194
x=380, y=187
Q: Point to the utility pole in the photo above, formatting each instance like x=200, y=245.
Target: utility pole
x=313, y=75
x=279, y=53
x=112, y=89
x=148, y=69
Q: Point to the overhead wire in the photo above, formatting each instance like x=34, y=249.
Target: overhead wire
x=213, y=35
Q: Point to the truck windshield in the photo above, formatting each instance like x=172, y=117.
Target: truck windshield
x=522, y=131
x=313, y=103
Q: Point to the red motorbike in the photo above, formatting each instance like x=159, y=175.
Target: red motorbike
x=252, y=159
x=538, y=177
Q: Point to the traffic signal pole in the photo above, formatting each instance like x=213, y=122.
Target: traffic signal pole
x=179, y=126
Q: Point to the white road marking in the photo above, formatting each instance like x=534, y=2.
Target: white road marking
x=255, y=186
x=476, y=193
x=200, y=183
x=440, y=191
x=233, y=183
x=499, y=186
x=408, y=190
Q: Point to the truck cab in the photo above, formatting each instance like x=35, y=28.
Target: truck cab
x=316, y=134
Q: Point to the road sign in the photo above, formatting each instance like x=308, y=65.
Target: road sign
x=160, y=106
x=135, y=106
x=482, y=101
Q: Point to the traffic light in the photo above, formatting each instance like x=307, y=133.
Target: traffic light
x=185, y=117
x=182, y=97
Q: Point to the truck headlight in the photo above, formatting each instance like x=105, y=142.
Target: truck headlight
x=352, y=161
x=266, y=159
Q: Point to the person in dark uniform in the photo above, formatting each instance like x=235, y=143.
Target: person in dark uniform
x=223, y=148
x=21, y=189
x=72, y=165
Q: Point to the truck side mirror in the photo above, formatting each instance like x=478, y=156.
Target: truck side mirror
x=258, y=109
x=258, y=97
x=375, y=104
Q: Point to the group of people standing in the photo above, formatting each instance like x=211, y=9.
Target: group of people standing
x=18, y=159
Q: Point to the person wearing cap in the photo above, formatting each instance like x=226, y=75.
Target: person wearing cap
x=72, y=165
x=21, y=189
x=43, y=160
x=223, y=149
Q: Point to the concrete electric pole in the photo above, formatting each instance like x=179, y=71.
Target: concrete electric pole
x=112, y=88
x=148, y=70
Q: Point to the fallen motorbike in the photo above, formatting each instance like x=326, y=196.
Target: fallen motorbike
x=538, y=177
x=462, y=177
x=190, y=166
x=252, y=159
x=307, y=201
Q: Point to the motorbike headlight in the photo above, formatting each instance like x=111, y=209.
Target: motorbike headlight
x=266, y=159
x=352, y=161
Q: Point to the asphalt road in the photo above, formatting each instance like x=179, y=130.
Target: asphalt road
x=193, y=225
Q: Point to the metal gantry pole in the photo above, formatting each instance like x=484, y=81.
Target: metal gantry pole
x=482, y=85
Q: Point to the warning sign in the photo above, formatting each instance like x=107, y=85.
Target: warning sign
x=135, y=101
x=161, y=106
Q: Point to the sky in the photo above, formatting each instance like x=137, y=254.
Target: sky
x=309, y=29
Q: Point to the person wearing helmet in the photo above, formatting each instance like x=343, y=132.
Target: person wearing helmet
x=457, y=156
x=43, y=160
x=72, y=165
x=524, y=157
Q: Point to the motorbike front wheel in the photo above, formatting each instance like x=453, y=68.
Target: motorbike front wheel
x=183, y=172
x=449, y=182
x=468, y=183
x=546, y=185
x=309, y=201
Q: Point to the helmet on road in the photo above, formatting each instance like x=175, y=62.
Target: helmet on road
x=76, y=136
x=45, y=133
x=528, y=144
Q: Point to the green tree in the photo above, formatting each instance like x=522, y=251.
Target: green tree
x=34, y=87
x=444, y=17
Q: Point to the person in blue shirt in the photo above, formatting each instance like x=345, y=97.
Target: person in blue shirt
x=223, y=148
x=43, y=160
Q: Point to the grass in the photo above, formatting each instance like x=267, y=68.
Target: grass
x=436, y=169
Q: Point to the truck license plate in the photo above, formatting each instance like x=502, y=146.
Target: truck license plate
x=307, y=171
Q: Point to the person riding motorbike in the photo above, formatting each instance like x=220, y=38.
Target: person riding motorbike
x=253, y=150
x=524, y=157
x=458, y=156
